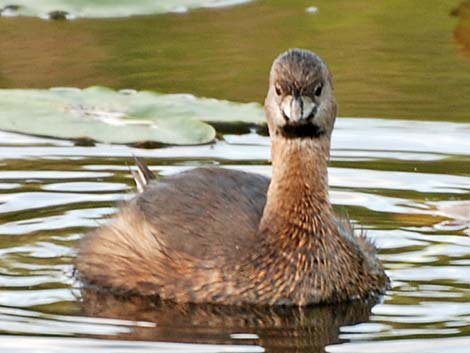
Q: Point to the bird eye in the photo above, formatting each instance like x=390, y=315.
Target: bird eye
x=278, y=89
x=318, y=90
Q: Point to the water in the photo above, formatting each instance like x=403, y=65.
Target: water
x=407, y=182
x=400, y=190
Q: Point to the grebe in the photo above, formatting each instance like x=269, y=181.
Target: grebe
x=229, y=237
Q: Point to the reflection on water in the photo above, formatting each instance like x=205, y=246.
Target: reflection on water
x=462, y=30
x=276, y=329
x=411, y=194
x=28, y=344
x=393, y=59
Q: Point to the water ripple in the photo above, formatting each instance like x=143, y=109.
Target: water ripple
x=410, y=194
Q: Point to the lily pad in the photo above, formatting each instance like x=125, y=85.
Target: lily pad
x=124, y=117
x=61, y=9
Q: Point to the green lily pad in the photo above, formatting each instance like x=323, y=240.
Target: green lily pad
x=124, y=117
x=61, y=9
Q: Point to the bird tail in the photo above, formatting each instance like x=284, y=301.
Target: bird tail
x=143, y=175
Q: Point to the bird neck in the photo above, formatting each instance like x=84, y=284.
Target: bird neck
x=298, y=203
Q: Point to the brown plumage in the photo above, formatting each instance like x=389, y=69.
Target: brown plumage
x=229, y=237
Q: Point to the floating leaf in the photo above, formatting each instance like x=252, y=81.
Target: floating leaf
x=101, y=114
x=65, y=9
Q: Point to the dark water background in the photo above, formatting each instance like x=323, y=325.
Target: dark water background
x=403, y=174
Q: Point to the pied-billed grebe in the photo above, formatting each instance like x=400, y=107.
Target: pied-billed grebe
x=229, y=237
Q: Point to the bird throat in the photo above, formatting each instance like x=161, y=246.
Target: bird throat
x=298, y=193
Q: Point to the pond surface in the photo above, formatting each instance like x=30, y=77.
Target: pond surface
x=405, y=179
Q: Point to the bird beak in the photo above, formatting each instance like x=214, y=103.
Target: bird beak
x=298, y=109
